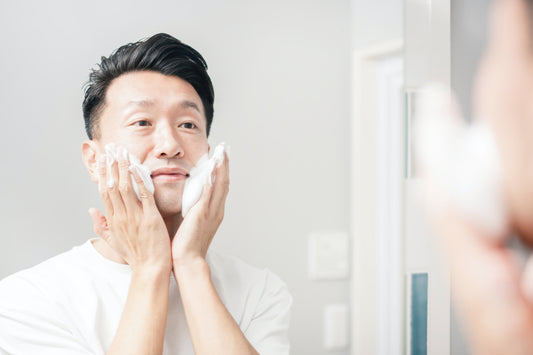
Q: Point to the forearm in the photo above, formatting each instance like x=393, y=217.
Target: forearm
x=213, y=330
x=142, y=324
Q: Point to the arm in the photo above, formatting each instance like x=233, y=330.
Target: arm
x=213, y=329
x=136, y=231
x=142, y=324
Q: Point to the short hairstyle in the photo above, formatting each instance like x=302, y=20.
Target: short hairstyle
x=160, y=53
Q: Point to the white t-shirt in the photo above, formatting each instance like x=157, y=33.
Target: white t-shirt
x=72, y=303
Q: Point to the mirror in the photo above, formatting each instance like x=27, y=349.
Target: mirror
x=305, y=166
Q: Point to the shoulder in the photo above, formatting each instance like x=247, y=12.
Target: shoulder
x=32, y=293
x=263, y=301
x=254, y=288
x=32, y=308
x=45, y=278
x=233, y=270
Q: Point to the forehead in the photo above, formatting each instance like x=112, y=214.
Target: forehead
x=150, y=87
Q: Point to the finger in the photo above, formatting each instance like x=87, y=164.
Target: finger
x=102, y=185
x=485, y=286
x=147, y=198
x=112, y=188
x=220, y=184
x=125, y=185
x=100, y=224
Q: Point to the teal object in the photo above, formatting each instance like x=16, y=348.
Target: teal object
x=419, y=314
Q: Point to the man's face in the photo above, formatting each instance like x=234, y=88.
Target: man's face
x=161, y=120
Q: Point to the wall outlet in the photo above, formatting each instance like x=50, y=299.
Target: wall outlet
x=336, y=326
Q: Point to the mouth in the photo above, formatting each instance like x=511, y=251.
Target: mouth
x=169, y=174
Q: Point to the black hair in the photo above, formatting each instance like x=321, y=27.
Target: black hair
x=160, y=53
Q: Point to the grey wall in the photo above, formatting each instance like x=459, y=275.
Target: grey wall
x=468, y=36
x=280, y=71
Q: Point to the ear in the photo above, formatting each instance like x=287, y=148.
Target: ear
x=90, y=154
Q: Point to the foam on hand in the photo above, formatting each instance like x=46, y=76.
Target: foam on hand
x=460, y=161
x=144, y=171
x=200, y=175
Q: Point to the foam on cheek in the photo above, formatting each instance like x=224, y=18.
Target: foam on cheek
x=461, y=162
x=143, y=170
x=200, y=175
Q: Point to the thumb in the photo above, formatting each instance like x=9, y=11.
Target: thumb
x=100, y=224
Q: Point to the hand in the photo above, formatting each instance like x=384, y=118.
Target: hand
x=494, y=296
x=199, y=226
x=134, y=229
x=503, y=95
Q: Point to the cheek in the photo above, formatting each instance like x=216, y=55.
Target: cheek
x=197, y=149
x=134, y=145
x=138, y=150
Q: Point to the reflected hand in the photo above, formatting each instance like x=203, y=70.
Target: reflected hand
x=503, y=95
x=493, y=295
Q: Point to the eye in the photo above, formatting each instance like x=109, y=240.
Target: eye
x=188, y=125
x=142, y=123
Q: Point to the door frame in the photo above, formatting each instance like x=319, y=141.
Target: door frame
x=377, y=137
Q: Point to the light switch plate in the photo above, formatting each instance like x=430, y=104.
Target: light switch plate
x=328, y=256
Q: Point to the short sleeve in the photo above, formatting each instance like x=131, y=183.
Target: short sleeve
x=30, y=323
x=268, y=329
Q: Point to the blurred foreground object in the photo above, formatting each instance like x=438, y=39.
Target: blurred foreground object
x=479, y=184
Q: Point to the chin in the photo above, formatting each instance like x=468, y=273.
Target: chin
x=168, y=211
x=168, y=204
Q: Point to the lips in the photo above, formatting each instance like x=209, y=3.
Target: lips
x=169, y=174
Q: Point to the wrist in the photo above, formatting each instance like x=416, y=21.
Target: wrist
x=152, y=271
x=189, y=265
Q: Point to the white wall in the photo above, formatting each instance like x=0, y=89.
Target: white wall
x=280, y=71
x=376, y=22
x=377, y=28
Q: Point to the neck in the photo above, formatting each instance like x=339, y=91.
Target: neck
x=173, y=222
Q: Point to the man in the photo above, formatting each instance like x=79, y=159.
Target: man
x=149, y=285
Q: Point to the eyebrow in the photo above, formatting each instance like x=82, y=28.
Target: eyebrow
x=141, y=102
x=190, y=104
x=146, y=103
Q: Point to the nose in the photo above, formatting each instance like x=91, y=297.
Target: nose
x=167, y=143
